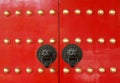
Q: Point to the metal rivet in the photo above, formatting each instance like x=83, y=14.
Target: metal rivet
x=52, y=70
x=40, y=12
x=90, y=40
x=29, y=12
x=101, y=70
x=112, y=40
x=29, y=70
x=66, y=70
x=17, y=41
x=65, y=40
x=52, y=40
x=90, y=70
x=78, y=70
x=78, y=40
x=77, y=11
x=100, y=12
x=101, y=40
x=6, y=13
x=6, y=41
x=17, y=70
x=29, y=41
x=112, y=12
x=6, y=70
x=89, y=12
x=18, y=12
x=40, y=41
x=52, y=12
x=40, y=70
x=113, y=70
x=65, y=11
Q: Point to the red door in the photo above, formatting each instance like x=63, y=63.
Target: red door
x=74, y=41
x=28, y=29
x=89, y=41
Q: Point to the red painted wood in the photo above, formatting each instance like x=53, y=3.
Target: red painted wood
x=95, y=55
x=71, y=26
x=23, y=55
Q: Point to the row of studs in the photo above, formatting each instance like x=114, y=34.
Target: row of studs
x=65, y=70
x=90, y=40
x=28, y=12
x=91, y=70
x=65, y=12
x=28, y=41
x=28, y=70
x=65, y=40
x=89, y=12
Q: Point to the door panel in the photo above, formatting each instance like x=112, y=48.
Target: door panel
x=93, y=25
x=23, y=30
